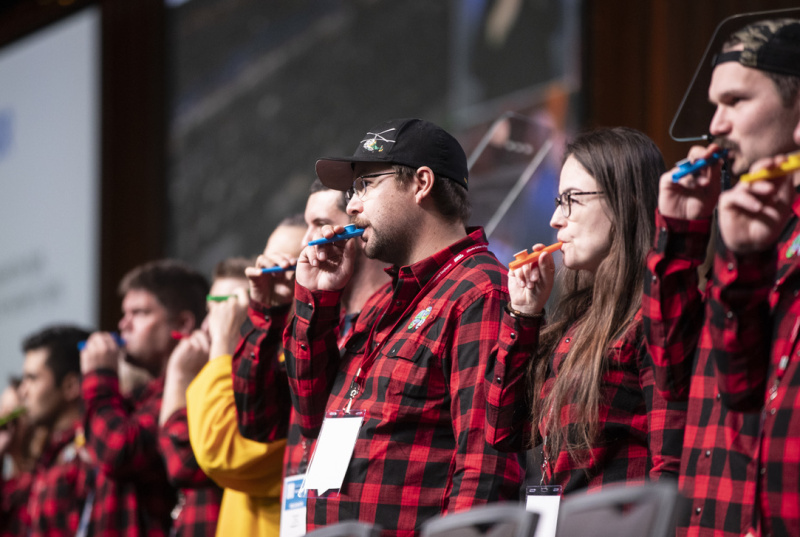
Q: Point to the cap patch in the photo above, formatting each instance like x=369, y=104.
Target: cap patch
x=373, y=144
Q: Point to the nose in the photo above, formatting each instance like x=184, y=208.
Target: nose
x=354, y=206
x=23, y=389
x=309, y=235
x=557, y=221
x=720, y=123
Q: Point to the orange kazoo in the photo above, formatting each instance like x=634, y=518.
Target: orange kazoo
x=792, y=163
x=523, y=257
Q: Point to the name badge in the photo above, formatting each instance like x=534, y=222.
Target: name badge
x=544, y=500
x=333, y=451
x=293, y=506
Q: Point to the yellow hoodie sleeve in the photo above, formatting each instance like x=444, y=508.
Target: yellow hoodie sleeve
x=228, y=458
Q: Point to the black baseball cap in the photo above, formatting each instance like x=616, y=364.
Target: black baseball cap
x=771, y=43
x=409, y=142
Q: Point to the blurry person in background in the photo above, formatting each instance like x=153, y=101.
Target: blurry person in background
x=133, y=493
x=198, y=511
x=249, y=470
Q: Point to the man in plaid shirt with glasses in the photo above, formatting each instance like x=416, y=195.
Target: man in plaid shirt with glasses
x=414, y=362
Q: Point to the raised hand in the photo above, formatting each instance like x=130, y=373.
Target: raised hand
x=694, y=196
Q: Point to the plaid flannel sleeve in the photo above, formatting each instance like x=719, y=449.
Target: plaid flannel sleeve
x=666, y=422
x=741, y=325
x=312, y=355
x=672, y=303
x=508, y=403
x=182, y=468
x=261, y=392
x=123, y=442
x=481, y=474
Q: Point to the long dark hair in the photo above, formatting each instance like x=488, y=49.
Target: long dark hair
x=626, y=165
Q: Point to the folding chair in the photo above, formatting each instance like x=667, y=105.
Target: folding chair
x=621, y=511
x=491, y=520
x=350, y=528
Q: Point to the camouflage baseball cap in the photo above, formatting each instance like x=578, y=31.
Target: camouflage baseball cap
x=768, y=41
x=768, y=45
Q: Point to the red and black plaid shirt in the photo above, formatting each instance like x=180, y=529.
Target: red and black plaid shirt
x=133, y=495
x=14, y=517
x=755, y=331
x=260, y=389
x=61, y=482
x=198, y=507
x=718, y=469
x=299, y=447
x=639, y=434
x=421, y=449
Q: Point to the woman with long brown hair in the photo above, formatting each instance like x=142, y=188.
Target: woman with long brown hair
x=584, y=378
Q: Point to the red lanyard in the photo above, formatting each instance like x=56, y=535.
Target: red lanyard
x=371, y=355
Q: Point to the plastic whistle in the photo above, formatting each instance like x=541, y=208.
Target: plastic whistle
x=686, y=168
x=217, y=298
x=277, y=268
x=350, y=231
x=792, y=163
x=116, y=336
x=11, y=416
x=177, y=335
x=523, y=257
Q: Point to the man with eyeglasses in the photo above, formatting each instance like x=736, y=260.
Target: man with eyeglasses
x=406, y=396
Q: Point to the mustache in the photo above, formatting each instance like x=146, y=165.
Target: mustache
x=725, y=143
x=359, y=223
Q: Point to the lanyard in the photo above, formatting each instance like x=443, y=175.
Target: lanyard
x=371, y=355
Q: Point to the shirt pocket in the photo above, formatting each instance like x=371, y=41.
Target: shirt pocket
x=412, y=376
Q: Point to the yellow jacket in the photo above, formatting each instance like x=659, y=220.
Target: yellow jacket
x=249, y=471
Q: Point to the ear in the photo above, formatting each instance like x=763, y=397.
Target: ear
x=423, y=183
x=185, y=322
x=71, y=387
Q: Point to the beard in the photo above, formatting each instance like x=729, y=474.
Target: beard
x=390, y=244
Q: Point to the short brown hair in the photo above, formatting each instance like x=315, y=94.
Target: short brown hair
x=177, y=286
x=449, y=197
x=233, y=267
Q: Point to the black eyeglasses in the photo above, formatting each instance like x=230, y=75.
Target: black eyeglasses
x=565, y=199
x=361, y=183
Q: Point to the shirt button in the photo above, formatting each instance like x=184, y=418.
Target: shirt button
x=252, y=355
x=697, y=511
x=498, y=380
x=729, y=315
x=773, y=411
x=654, y=278
x=566, y=340
x=663, y=229
x=311, y=305
x=708, y=453
x=512, y=335
x=763, y=471
x=730, y=266
x=303, y=346
x=719, y=396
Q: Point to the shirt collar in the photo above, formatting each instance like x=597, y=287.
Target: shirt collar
x=422, y=271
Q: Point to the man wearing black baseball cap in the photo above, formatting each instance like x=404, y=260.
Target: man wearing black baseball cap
x=413, y=368
x=732, y=352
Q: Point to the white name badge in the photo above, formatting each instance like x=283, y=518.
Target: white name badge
x=544, y=500
x=293, y=507
x=334, y=449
